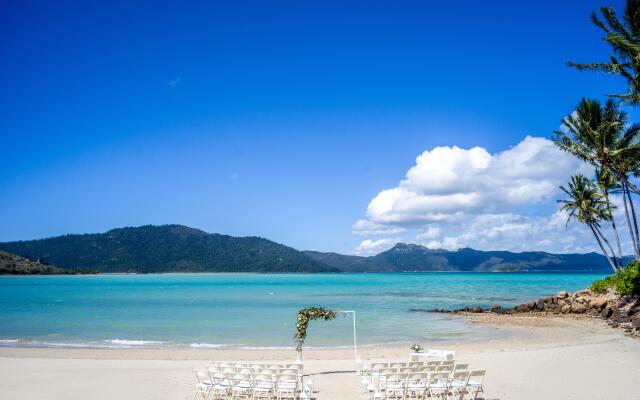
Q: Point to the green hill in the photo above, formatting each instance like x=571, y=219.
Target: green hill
x=12, y=264
x=166, y=248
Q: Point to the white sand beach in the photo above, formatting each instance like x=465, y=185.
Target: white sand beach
x=542, y=358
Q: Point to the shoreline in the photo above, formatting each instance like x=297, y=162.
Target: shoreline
x=542, y=357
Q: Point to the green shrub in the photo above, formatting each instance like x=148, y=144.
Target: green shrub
x=626, y=281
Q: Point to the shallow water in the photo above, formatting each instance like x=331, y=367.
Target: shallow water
x=250, y=310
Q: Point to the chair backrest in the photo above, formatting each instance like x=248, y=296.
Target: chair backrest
x=240, y=379
x=429, y=368
x=416, y=364
x=418, y=380
x=439, y=378
x=213, y=368
x=379, y=366
x=448, y=362
x=397, y=365
x=388, y=371
x=268, y=371
x=444, y=368
x=286, y=381
x=202, y=376
x=433, y=363
x=459, y=378
x=288, y=371
x=461, y=367
x=264, y=382
x=297, y=367
x=477, y=376
x=396, y=378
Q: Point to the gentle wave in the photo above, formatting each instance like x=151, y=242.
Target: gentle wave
x=205, y=346
x=123, y=342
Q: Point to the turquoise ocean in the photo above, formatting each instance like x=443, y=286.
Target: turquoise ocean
x=256, y=311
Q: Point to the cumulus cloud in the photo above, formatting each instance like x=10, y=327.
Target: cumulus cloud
x=454, y=197
x=370, y=247
x=448, y=182
x=514, y=232
x=364, y=227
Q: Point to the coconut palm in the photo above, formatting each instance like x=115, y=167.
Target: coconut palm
x=607, y=185
x=587, y=205
x=623, y=35
x=597, y=135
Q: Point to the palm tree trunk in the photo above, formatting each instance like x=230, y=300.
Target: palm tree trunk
x=602, y=247
x=615, y=229
x=615, y=259
x=615, y=232
x=626, y=212
x=633, y=214
x=629, y=185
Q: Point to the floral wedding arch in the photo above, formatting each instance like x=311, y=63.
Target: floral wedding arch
x=309, y=314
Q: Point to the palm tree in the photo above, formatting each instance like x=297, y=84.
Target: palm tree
x=624, y=38
x=596, y=134
x=607, y=184
x=587, y=205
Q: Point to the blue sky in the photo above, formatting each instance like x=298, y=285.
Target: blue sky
x=277, y=119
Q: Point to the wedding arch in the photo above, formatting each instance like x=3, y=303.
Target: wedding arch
x=309, y=314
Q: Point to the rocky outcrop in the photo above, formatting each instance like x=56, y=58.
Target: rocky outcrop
x=618, y=311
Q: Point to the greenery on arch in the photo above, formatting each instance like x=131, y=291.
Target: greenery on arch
x=306, y=315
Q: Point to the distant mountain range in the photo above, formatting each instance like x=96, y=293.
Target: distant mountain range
x=177, y=248
x=412, y=257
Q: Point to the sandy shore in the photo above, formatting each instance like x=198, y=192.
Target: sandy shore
x=540, y=358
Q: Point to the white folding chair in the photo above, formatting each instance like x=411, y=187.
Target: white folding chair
x=394, y=386
x=461, y=367
x=221, y=384
x=263, y=387
x=438, y=385
x=458, y=384
x=474, y=384
x=417, y=386
x=286, y=386
x=203, y=384
x=241, y=386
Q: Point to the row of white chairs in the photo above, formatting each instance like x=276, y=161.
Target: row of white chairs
x=224, y=364
x=243, y=380
x=419, y=386
x=423, y=369
x=426, y=385
x=400, y=364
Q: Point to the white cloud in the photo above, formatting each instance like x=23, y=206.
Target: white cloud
x=370, y=247
x=515, y=232
x=364, y=227
x=454, y=197
x=448, y=182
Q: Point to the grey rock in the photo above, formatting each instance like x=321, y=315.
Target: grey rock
x=606, y=312
x=578, y=308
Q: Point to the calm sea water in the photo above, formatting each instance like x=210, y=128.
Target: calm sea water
x=247, y=310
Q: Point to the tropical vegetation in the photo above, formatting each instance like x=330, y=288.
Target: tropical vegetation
x=601, y=135
x=626, y=281
x=307, y=315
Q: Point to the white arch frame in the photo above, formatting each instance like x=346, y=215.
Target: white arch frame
x=355, y=339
